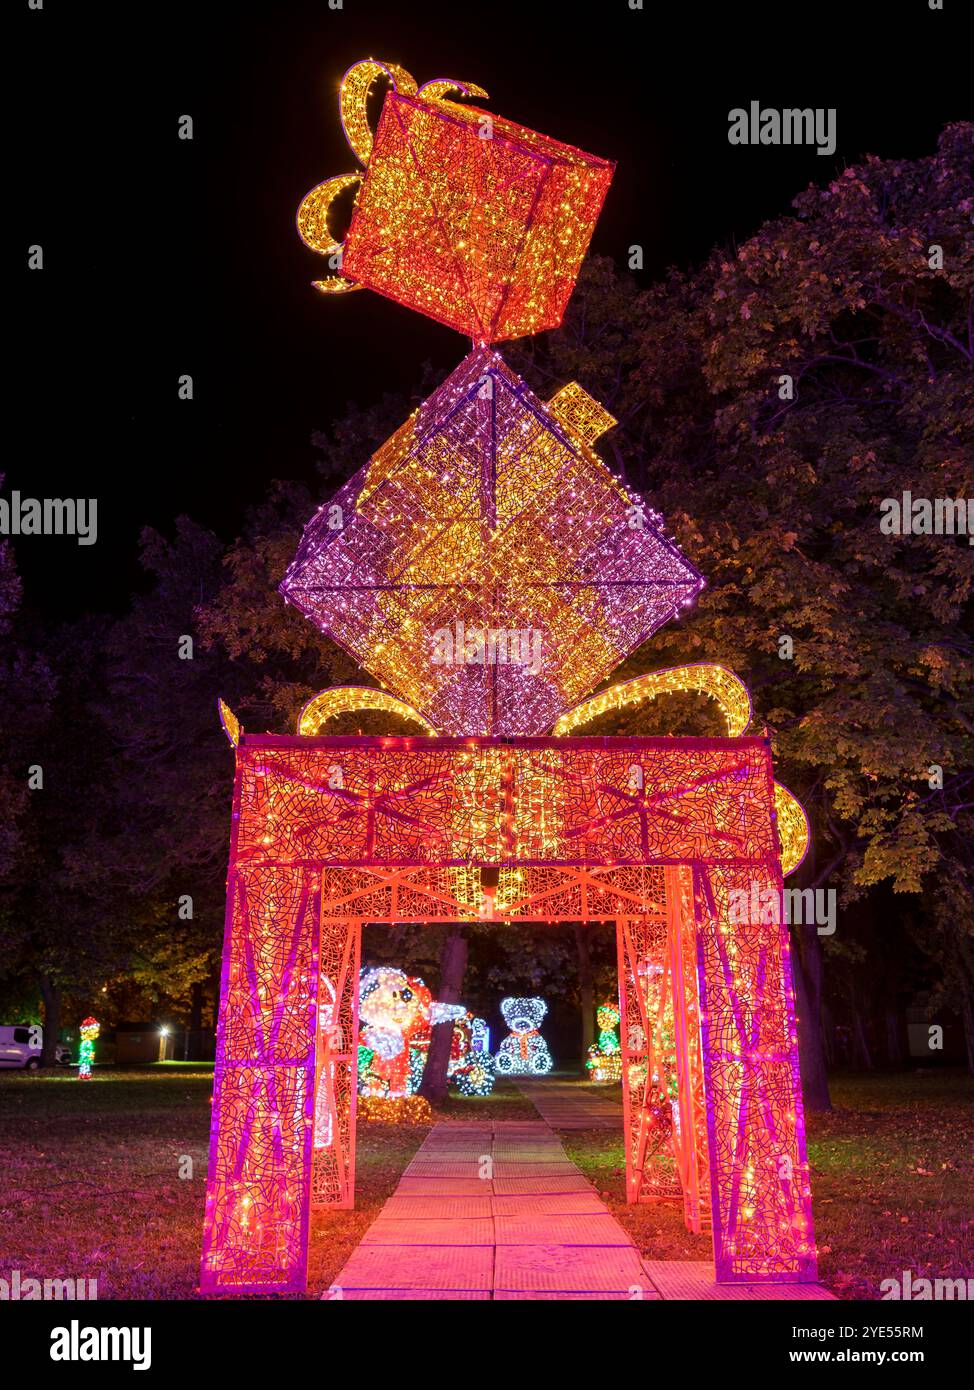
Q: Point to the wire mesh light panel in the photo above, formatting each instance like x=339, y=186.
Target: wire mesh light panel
x=758, y=1165
x=472, y=219
x=662, y=1071
x=404, y=837
x=257, y=1208
x=485, y=565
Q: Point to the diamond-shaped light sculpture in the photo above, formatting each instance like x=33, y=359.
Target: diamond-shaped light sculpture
x=485, y=565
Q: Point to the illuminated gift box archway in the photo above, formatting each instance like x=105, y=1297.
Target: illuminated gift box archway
x=712, y=1094
x=489, y=516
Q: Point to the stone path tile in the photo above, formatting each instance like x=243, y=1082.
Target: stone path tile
x=418, y=1267
x=569, y=1295
x=507, y=1126
x=433, y=1168
x=389, y=1230
x=444, y=1187
x=405, y=1208
x=563, y=1229
x=414, y=1295
x=560, y=1204
x=505, y=1168
x=569, y=1268
x=526, y=1152
x=694, y=1279
x=454, y=1153
x=544, y=1185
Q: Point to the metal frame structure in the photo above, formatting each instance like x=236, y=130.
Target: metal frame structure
x=653, y=835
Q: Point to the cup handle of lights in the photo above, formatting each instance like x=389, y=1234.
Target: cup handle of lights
x=313, y=219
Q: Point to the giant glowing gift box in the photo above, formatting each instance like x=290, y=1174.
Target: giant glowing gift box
x=467, y=217
x=490, y=509
x=488, y=512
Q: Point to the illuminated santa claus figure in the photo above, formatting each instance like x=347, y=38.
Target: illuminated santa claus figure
x=396, y=1015
x=394, y=1030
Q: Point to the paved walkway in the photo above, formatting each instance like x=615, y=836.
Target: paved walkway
x=569, y=1105
x=494, y=1212
x=500, y=1212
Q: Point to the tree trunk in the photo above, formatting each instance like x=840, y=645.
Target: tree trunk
x=807, y=973
x=453, y=964
x=828, y=1036
x=216, y=982
x=193, y=1050
x=586, y=987
x=52, y=1019
x=862, y=1057
x=897, y=1043
x=895, y=1050
x=967, y=1015
x=966, y=979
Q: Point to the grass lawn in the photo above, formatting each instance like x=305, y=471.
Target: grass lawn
x=892, y=1183
x=90, y=1183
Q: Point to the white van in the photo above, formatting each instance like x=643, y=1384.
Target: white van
x=21, y=1045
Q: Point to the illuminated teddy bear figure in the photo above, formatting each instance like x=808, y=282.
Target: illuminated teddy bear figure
x=524, y=1051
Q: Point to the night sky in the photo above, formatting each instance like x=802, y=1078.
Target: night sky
x=164, y=256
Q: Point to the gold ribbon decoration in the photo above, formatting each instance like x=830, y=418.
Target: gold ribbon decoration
x=231, y=724
x=734, y=701
x=723, y=686
x=313, y=219
x=350, y=699
x=729, y=691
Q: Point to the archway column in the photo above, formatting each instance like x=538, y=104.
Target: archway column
x=760, y=1193
x=259, y=1180
x=333, y=1164
x=662, y=1073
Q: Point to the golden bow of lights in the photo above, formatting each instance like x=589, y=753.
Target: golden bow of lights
x=315, y=215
